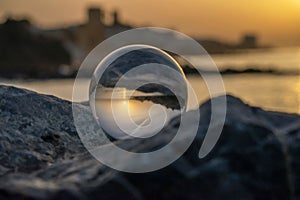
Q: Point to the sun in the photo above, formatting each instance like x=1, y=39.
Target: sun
x=125, y=103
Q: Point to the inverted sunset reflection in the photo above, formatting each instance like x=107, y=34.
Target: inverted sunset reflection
x=137, y=118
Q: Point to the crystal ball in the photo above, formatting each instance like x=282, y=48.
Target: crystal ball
x=136, y=90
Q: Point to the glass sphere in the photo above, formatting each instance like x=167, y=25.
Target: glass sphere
x=136, y=90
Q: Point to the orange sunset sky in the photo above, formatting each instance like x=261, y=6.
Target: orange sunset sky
x=276, y=22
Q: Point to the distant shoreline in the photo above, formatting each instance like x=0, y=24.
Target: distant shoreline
x=187, y=70
x=229, y=71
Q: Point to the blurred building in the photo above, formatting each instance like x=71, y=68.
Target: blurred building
x=81, y=39
x=248, y=41
x=29, y=51
x=116, y=27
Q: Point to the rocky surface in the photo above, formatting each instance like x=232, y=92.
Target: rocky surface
x=257, y=156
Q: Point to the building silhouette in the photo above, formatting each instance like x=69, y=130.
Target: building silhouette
x=82, y=38
x=61, y=50
x=248, y=41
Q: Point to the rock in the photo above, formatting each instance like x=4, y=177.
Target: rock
x=36, y=130
x=256, y=157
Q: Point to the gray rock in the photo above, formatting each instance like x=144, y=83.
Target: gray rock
x=257, y=156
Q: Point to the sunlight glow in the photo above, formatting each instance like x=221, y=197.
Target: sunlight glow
x=125, y=103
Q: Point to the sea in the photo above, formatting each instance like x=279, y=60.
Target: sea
x=278, y=91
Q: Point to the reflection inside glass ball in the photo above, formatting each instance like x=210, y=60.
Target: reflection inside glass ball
x=136, y=90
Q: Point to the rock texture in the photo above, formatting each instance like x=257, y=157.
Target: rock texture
x=257, y=156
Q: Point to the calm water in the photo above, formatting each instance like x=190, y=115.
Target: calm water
x=279, y=59
x=272, y=92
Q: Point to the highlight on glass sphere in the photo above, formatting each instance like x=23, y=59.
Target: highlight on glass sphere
x=136, y=90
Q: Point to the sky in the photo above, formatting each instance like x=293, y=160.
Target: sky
x=275, y=22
